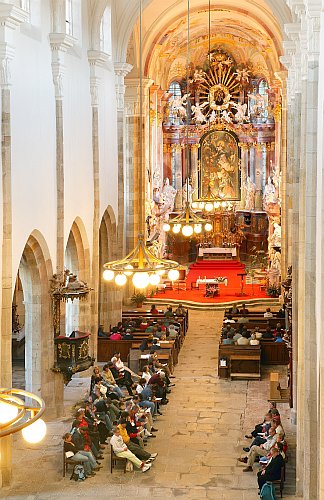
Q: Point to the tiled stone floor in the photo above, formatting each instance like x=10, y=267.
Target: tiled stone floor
x=200, y=437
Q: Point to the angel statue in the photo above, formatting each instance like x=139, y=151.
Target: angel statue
x=250, y=194
x=199, y=76
x=178, y=106
x=242, y=75
x=240, y=115
x=275, y=238
x=199, y=117
x=212, y=117
x=226, y=115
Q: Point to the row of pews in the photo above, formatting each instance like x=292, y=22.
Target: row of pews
x=244, y=362
x=129, y=349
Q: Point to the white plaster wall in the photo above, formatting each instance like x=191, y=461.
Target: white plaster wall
x=33, y=138
x=108, y=155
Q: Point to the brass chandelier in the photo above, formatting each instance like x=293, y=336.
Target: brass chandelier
x=188, y=222
x=19, y=415
x=141, y=264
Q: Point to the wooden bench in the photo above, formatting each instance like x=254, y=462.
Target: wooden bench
x=69, y=461
x=246, y=361
x=114, y=459
x=277, y=394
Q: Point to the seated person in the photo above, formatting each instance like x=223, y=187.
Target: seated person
x=180, y=311
x=278, y=329
x=168, y=313
x=233, y=310
x=267, y=334
x=268, y=313
x=101, y=332
x=146, y=374
x=73, y=453
x=154, y=309
x=155, y=346
x=282, y=312
x=258, y=334
x=141, y=384
x=243, y=319
x=254, y=340
x=244, y=310
x=229, y=319
x=244, y=340
x=108, y=379
x=115, y=335
x=121, y=450
x=144, y=345
x=135, y=448
x=128, y=335
x=229, y=339
x=257, y=451
x=272, y=471
x=172, y=332
x=279, y=338
x=237, y=336
x=120, y=327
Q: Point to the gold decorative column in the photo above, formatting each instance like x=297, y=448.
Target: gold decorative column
x=244, y=164
x=167, y=162
x=177, y=158
x=194, y=170
x=259, y=147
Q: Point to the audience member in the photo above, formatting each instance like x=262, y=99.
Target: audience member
x=268, y=313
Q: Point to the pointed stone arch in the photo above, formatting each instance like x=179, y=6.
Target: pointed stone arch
x=35, y=271
x=110, y=297
x=77, y=260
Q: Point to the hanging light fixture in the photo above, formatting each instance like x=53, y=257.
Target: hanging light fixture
x=19, y=415
x=141, y=265
x=211, y=203
x=187, y=222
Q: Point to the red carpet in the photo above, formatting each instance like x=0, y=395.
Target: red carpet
x=213, y=269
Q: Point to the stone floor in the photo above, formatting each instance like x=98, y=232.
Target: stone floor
x=199, y=440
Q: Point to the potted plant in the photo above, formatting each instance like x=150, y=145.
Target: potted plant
x=273, y=291
x=138, y=299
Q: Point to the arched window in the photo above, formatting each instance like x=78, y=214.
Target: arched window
x=175, y=90
x=263, y=91
x=105, y=31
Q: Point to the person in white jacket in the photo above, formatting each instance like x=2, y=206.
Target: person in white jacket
x=120, y=449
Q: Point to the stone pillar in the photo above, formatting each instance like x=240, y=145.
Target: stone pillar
x=96, y=60
x=244, y=171
x=121, y=70
x=10, y=18
x=60, y=43
x=177, y=182
x=135, y=198
x=194, y=170
x=258, y=175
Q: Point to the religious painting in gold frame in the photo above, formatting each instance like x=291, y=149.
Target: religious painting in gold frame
x=220, y=165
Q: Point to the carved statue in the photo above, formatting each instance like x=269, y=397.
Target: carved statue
x=198, y=117
x=184, y=193
x=269, y=194
x=242, y=75
x=226, y=115
x=250, y=194
x=169, y=194
x=275, y=238
x=240, y=115
x=178, y=106
x=212, y=117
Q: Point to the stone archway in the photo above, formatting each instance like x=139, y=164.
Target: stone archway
x=35, y=271
x=77, y=260
x=109, y=296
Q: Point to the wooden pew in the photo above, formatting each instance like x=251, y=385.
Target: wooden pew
x=133, y=314
x=241, y=361
x=276, y=393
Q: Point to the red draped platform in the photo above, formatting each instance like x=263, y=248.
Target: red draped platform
x=214, y=269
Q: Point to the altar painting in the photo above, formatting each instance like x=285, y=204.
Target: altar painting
x=220, y=165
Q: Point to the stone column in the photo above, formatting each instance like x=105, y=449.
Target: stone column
x=60, y=43
x=135, y=198
x=10, y=18
x=194, y=170
x=96, y=60
x=177, y=182
x=121, y=70
x=258, y=175
x=244, y=164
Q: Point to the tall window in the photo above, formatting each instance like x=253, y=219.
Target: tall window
x=175, y=90
x=263, y=91
x=69, y=17
x=105, y=31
